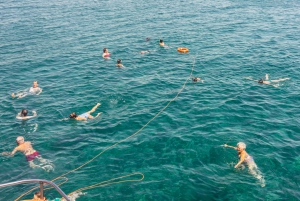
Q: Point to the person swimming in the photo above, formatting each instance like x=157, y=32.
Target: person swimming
x=245, y=158
x=34, y=90
x=148, y=39
x=268, y=81
x=30, y=154
x=119, y=63
x=197, y=79
x=85, y=116
x=105, y=54
x=23, y=115
x=162, y=44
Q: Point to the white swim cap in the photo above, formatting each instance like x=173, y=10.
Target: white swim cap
x=241, y=145
x=20, y=139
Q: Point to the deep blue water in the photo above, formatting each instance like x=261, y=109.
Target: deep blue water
x=59, y=43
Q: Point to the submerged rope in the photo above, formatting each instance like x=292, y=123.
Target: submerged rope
x=112, y=146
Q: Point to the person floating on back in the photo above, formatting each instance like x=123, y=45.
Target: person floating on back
x=30, y=154
x=34, y=90
x=245, y=158
x=85, y=116
x=23, y=115
x=267, y=81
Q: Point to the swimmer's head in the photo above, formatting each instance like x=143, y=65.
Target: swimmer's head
x=119, y=61
x=105, y=49
x=161, y=41
x=261, y=81
x=35, y=84
x=24, y=113
x=73, y=115
x=147, y=39
x=241, y=145
x=20, y=139
x=196, y=79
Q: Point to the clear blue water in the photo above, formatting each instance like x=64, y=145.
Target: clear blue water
x=59, y=43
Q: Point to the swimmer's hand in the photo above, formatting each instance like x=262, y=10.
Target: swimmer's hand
x=6, y=153
x=225, y=145
x=98, y=104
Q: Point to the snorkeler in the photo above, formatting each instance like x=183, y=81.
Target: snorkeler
x=105, y=54
x=29, y=153
x=119, y=63
x=85, y=116
x=269, y=82
x=35, y=90
x=23, y=115
x=245, y=158
x=162, y=44
x=197, y=79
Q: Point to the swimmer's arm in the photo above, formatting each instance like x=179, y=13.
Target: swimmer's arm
x=29, y=117
x=225, y=145
x=19, y=116
x=241, y=161
x=39, y=91
x=10, y=153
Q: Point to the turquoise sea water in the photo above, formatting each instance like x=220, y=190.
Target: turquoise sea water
x=59, y=43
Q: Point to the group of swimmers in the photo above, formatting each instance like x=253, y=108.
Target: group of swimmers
x=26, y=146
x=31, y=154
x=106, y=55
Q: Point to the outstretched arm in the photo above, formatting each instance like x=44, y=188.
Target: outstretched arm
x=227, y=146
x=279, y=80
x=9, y=153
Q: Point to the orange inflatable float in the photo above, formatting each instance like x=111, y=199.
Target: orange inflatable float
x=182, y=50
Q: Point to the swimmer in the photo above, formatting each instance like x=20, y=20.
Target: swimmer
x=119, y=63
x=162, y=44
x=147, y=39
x=197, y=79
x=269, y=82
x=29, y=153
x=105, y=54
x=85, y=116
x=23, y=115
x=33, y=90
x=145, y=52
x=245, y=158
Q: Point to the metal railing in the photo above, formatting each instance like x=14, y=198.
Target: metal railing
x=41, y=181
